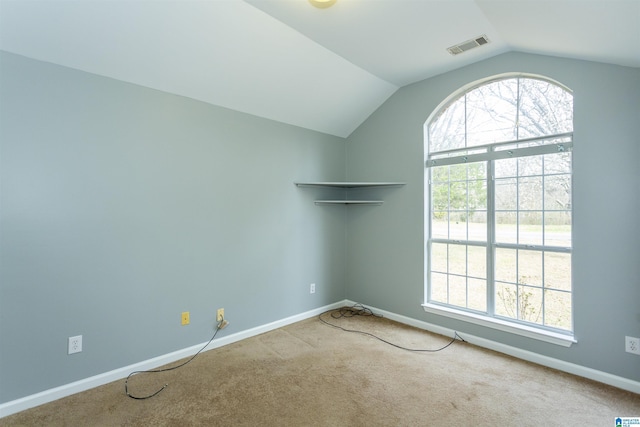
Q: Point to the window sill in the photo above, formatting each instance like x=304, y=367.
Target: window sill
x=501, y=325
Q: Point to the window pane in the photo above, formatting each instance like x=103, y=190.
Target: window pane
x=545, y=109
x=492, y=112
x=478, y=294
x=557, y=229
x=530, y=267
x=506, y=192
x=557, y=309
x=440, y=196
x=530, y=304
x=458, y=226
x=458, y=291
x=505, y=265
x=506, y=231
x=448, y=130
x=557, y=271
x=459, y=206
x=506, y=168
x=530, y=228
x=439, y=225
x=506, y=297
x=557, y=192
x=477, y=195
x=477, y=170
x=439, y=257
x=477, y=262
x=458, y=259
x=530, y=193
x=519, y=302
x=439, y=287
x=458, y=172
x=440, y=174
x=557, y=163
x=478, y=227
x=530, y=166
x=458, y=195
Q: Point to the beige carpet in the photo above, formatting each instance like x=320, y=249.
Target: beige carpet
x=310, y=374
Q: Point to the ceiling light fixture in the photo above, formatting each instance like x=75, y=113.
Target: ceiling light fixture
x=322, y=4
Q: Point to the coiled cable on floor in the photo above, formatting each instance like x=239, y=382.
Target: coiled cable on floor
x=360, y=310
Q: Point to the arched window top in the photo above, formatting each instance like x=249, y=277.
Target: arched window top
x=508, y=108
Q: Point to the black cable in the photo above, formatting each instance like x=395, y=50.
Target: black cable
x=151, y=371
x=354, y=310
x=360, y=310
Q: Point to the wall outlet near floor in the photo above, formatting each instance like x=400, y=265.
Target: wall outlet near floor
x=184, y=318
x=632, y=345
x=312, y=288
x=220, y=315
x=75, y=344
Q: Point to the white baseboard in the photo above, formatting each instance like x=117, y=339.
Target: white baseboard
x=56, y=393
x=561, y=365
x=50, y=395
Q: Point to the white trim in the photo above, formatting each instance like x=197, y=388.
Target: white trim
x=561, y=365
x=559, y=147
x=502, y=325
x=56, y=393
x=50, y=395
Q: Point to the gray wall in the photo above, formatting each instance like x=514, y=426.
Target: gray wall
x=123, y=206
x=385, y=245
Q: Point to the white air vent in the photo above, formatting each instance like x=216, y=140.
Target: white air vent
x=469, y=44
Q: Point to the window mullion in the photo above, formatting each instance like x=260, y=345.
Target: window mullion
x=518, y=110
x=491, y=238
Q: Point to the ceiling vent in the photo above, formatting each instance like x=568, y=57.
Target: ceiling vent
x=468, y=45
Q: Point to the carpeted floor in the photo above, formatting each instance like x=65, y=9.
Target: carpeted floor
x=311, y=374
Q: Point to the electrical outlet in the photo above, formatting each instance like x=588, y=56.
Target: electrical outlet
x=632, y=345
x=220, y=315
x=75, y=344
x=185, y=318
x=312, y=288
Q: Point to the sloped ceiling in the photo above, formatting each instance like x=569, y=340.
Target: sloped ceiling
x=321, y=69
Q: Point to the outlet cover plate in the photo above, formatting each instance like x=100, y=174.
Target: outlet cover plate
x=75, y=344
x=632, y=345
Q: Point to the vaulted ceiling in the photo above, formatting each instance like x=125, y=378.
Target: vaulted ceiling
x=321, y=69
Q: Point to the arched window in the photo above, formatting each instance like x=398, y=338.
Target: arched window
x=498, y=168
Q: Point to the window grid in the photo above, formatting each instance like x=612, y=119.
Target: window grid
x=522, y=289
x=532, y=235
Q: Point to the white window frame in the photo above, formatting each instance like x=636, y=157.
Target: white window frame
x=489, y=153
